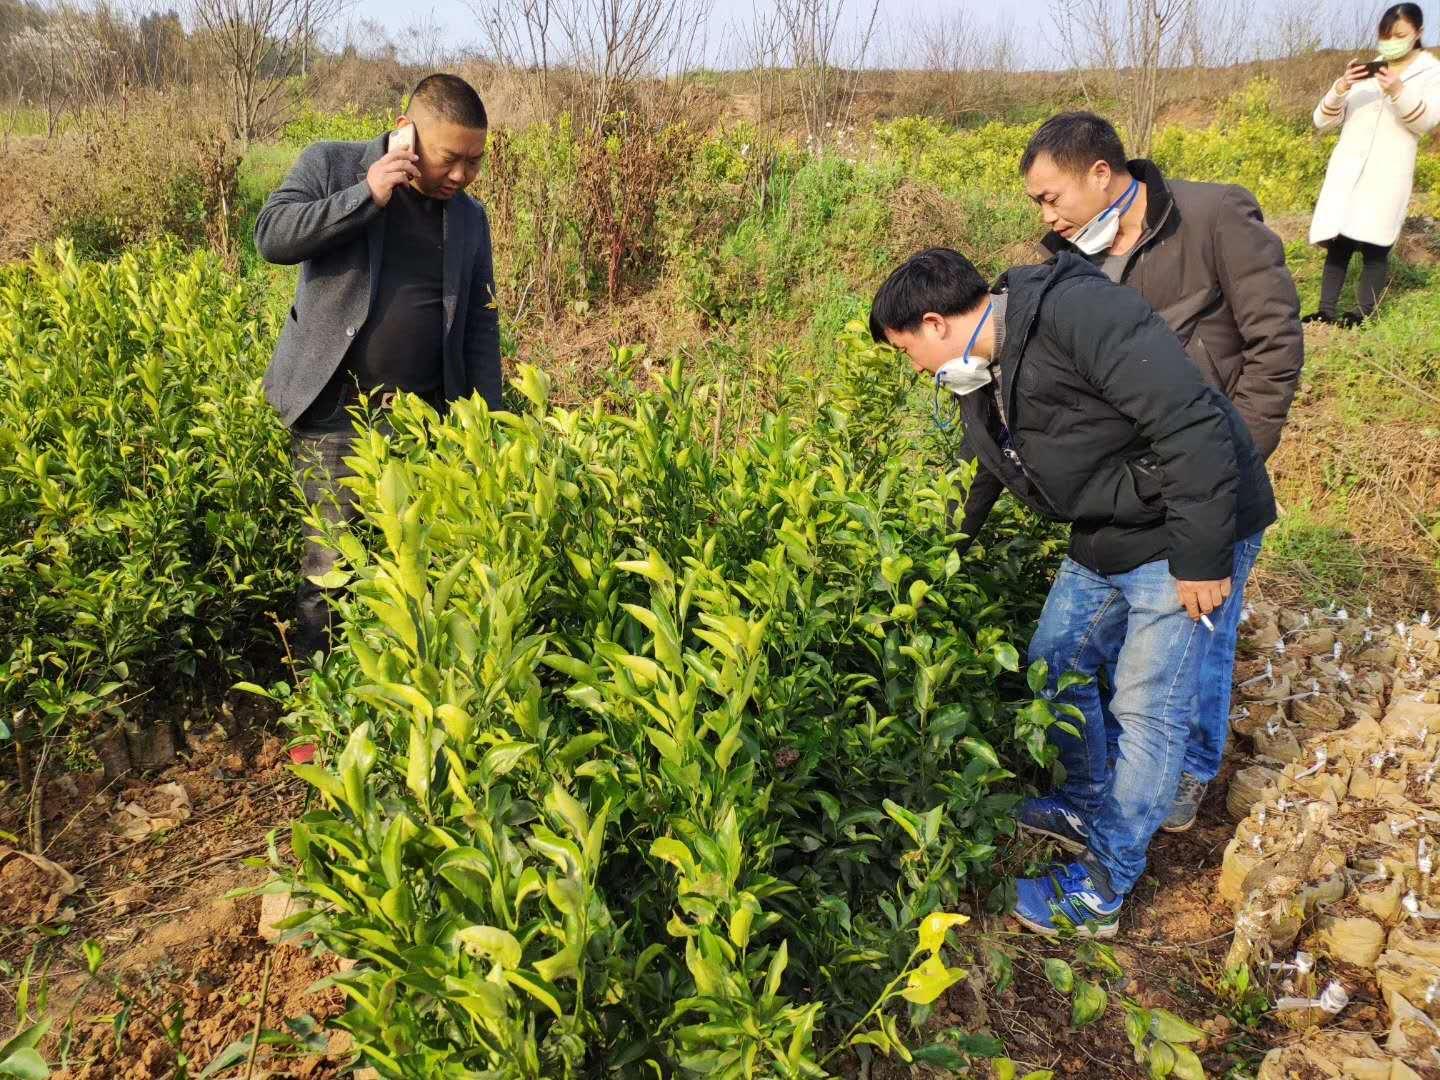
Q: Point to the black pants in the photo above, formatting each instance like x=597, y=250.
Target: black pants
x=319, y=467
x=1373, y=274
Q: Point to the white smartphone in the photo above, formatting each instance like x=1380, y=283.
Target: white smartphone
x=403, y=138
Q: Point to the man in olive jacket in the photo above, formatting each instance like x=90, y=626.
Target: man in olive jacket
x=396, y=294
x=1203, y=258
x=1078, y=399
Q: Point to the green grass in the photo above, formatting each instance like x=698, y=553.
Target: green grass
x=24, y=120
x=1323, y=558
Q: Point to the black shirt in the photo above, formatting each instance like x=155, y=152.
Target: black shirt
x=401, y=345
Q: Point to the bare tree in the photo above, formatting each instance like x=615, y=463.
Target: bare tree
x=1294, y=30
x=426, y=43
x=257, y=45
x=952, y=51
x=66, y=65
x=520, y=35
x=1124, y=46
x=615, y=43
x=826, y=51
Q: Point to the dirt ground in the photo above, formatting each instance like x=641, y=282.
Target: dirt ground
x=147, y=867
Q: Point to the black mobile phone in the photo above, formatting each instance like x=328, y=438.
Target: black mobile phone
x=1372, y=67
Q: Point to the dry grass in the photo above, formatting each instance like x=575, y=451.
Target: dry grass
x=154, y=166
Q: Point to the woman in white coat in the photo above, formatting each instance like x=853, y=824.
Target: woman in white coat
x=1382, y=115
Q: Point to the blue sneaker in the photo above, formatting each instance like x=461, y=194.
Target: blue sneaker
x=1075, y=897
x=1051, y=817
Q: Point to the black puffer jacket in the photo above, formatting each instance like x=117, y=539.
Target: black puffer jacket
x=1113, y=430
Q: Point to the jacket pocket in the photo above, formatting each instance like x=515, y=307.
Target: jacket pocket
x=1139, y=498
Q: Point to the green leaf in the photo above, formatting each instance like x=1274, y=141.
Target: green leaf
x=1187, y=1065
x=981, y=749
x=230, y=1056
x=940, y=1055
x=1166, y=1025
x=491, y=943
x=1070, y=680
x=877, y=1039
x=503, y=757
x=905, y=819
x=26, y=1063
x=1006, y=656
x=579, y=746
x=982, y=1046
x=1037, y=676
x=1060, y=974
x=777, y=970
x=1088, y=1004
x=1161, y=1059
x=334, y=579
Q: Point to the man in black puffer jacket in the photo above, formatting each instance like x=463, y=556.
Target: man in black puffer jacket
x=1078, y=399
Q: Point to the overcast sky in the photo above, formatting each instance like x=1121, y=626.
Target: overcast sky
x=456, y=17
x=1277, y=28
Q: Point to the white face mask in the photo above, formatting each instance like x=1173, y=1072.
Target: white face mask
x=1396, y=48
x=965, y=374
x=1100, y=232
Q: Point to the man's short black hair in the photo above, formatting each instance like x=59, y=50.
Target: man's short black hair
x=1075, y=141
x=451, y=98
x=936, y=279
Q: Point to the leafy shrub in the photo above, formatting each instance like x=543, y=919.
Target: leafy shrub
x=113, y=182
x=768, y=233
x=530, y=192
x=146, y=517
x=311, y=125
x=644, y=757
x=955, y=160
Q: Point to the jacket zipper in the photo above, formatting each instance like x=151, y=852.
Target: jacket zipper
x=1010, y=451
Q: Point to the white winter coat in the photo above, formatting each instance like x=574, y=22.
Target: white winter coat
x=1368, y=181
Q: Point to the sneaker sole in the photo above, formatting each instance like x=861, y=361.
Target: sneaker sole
x=1072, y=846
x=1181, y=828
x=1108, y=930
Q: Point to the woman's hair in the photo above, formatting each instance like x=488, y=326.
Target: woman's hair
x=1411, y=13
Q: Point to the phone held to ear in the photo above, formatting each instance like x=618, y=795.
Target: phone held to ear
x=403, y=138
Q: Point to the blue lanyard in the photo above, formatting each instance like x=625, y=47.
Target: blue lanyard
x=1128, y=199
x=974, y=337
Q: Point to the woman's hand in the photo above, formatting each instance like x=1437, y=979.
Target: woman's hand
x=1389, y=82
x=1354, y=73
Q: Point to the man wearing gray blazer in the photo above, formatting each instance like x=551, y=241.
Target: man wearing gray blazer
x=396, y=294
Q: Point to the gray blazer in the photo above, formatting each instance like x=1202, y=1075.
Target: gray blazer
x=323, y=218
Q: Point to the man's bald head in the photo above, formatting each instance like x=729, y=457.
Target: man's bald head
x=451, y=99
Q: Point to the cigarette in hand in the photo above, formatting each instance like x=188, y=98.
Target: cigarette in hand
x=1205, y=621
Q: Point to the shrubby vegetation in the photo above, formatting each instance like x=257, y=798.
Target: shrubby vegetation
x=648, y=751
x=146, y=515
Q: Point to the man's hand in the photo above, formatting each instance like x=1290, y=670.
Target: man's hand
x=1202, y=597
x=394, y=169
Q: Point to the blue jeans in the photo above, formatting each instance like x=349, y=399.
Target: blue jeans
x=1211, y=728
x=1133, y=624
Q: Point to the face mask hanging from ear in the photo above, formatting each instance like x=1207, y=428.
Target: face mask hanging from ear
x=1100, y=232
x=963, y=375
